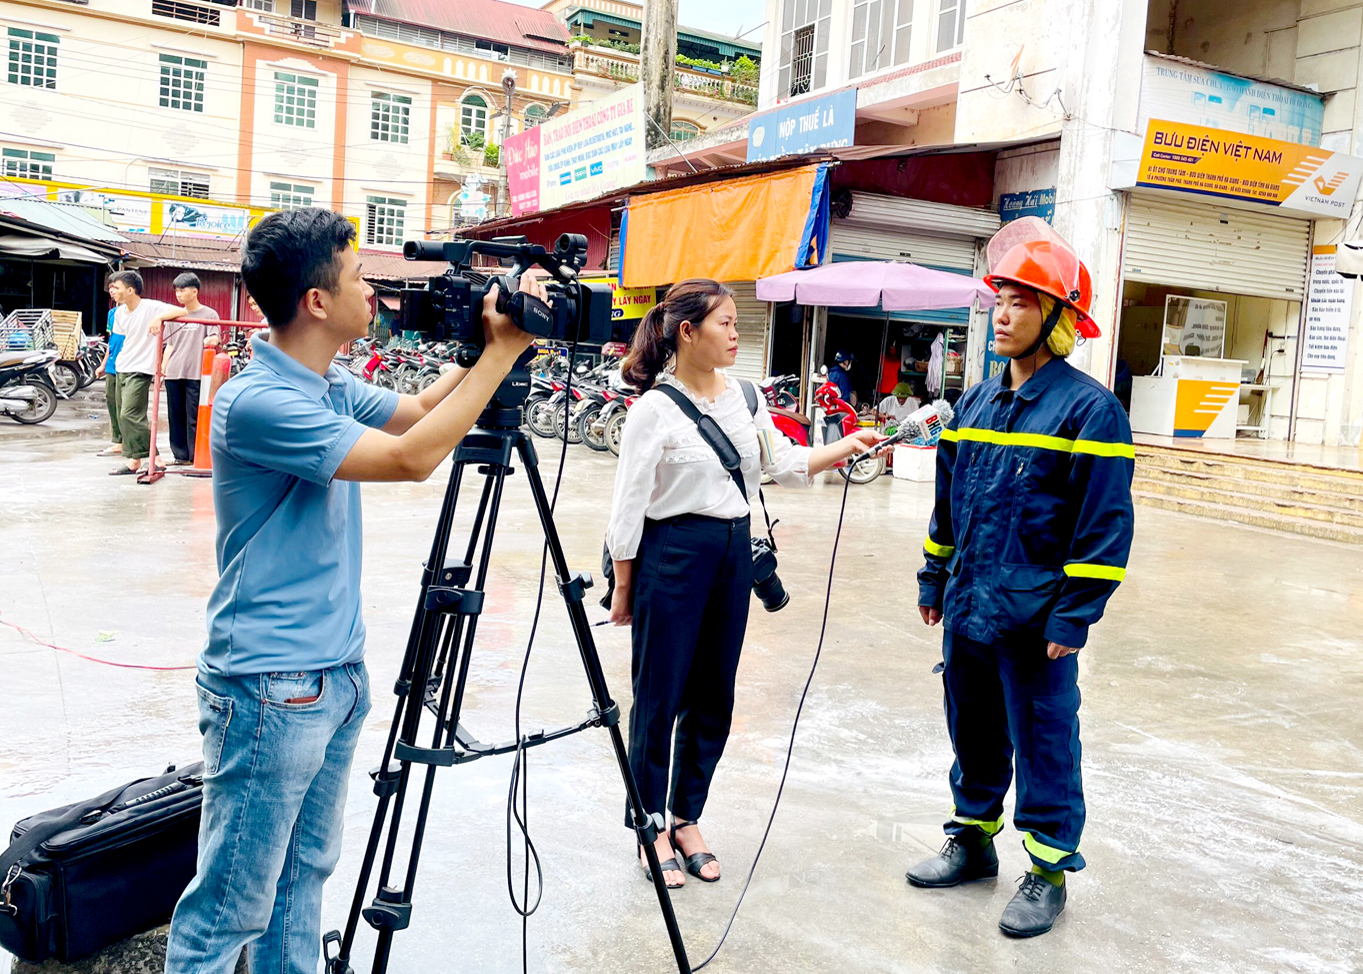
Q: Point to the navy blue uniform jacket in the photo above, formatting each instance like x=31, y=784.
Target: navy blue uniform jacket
x=1032, y=523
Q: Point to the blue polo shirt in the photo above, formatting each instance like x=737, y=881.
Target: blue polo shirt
x=289, y=537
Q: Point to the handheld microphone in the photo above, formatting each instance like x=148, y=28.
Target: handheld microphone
x=926, y=422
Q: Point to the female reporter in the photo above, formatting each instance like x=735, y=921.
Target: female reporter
x=680, y=541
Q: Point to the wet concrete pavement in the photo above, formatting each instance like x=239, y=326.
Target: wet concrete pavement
x=1222, y=731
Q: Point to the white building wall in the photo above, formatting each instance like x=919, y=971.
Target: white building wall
x=103, y=120
x=306, y=155
x=389, y=169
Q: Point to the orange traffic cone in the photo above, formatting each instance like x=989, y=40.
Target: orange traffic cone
x=216, y=368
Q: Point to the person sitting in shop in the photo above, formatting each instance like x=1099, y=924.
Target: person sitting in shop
x=898, y=404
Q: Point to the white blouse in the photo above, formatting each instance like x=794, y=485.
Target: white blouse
x=666, y=467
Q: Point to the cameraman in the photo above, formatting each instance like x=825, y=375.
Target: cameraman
x=282, y=685
x=681, y=546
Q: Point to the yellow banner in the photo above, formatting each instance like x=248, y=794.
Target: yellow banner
x=1304, y=178
x=631, y=303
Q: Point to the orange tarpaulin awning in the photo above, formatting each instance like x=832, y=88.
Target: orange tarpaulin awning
x=735, y=230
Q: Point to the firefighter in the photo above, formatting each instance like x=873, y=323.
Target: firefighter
x=1028, y=540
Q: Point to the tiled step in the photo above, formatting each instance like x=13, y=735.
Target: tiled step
x=1260, y=519
x=1307, y=505
x=1216, y=485
x=1253, y=469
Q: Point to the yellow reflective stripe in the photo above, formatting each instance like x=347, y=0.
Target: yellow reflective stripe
x=940, y=550
x=1044, y=852
x=988, y=828
x=1040, y=441
x=949, y=436
x=1081, y=570
x=1099, y=449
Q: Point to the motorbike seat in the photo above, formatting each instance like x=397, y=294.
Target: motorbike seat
x=8, y=359
x=800, y=418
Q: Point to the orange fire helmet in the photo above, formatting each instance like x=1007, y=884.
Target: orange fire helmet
x=1030, y=253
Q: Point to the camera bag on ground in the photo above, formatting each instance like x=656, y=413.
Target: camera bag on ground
x=79, y=878
x=711, y=433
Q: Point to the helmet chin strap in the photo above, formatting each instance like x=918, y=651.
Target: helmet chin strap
x=1047, y=327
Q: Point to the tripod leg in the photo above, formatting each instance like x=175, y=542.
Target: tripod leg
x=390, y=782
x=596, y=678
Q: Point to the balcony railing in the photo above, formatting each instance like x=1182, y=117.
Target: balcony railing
x=623, y=67
x=295, y=29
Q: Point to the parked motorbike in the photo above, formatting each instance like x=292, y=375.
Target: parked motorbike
x=27, y=392
x=839, y=420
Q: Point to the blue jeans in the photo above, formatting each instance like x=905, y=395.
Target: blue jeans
x=275, y=777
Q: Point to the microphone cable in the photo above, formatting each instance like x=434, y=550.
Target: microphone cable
x=795, y=724
x=520, y=766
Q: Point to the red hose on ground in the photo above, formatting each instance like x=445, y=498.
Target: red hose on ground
x=92, y=659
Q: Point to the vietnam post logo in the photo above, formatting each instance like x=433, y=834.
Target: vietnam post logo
x=1328, y=189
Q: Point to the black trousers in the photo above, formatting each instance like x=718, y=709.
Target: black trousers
x=182, y=402
x=692, y=588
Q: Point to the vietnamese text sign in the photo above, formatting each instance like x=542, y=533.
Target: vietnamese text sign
x=815, y=123
x=632, y=303
x=521, y=153
x=1194, y=326
x=1036, y=202
x=1211, y=99
x=1329, y=304
x=593, y=150
x=1308, y=180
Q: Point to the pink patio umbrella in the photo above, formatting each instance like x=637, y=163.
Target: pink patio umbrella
x=893, y=285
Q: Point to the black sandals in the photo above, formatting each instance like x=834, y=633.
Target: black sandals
x=666, y=865
x=694, y=864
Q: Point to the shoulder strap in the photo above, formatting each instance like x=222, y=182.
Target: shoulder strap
x=36, y=836
x=711, y=433
x=749, y=394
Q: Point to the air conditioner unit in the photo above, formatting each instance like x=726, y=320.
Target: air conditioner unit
x=1349, y=259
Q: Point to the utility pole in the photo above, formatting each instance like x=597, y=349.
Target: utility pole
x=658, y=61
x=504, y=192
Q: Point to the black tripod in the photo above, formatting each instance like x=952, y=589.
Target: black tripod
x=434, y=673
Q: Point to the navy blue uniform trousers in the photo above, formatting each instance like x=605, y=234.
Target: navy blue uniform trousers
x=1010, y=704
x=692, y=588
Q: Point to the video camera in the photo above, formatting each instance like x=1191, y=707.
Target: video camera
x=450, y=307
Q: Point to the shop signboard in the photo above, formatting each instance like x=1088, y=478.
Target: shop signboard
x=1329, y=305
x=204, y=219
x=814, y=123
x=1194, y=326
x=521, y=153
x=631, y=303
x=1295, y=178
x=1014, y=206
x=1036, y=202
x=1214, y=100
x=131, y=213
x=591, y=151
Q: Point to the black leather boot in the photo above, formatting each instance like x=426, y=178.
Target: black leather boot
x=1033, y=909
x=960, y=861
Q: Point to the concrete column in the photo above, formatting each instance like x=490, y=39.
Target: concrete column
x=1098, y=86
x=658, y=59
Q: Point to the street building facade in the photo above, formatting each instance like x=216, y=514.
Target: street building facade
x=1203, y=158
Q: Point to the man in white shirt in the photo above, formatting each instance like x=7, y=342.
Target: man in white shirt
x=898, y=404
x=136, y=318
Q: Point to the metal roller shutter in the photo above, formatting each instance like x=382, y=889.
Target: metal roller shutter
x=754, y=318
x=957, y=253
x=1204, y=247
x=613, y=252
